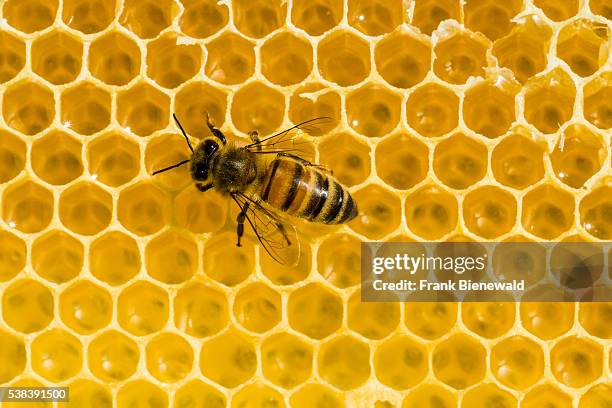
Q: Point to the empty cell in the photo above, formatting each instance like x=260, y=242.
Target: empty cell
x=142, y=109
x=12, y=56
x=576, y=361
x=88, y=16
x=258, y=107
x=27, y=306
x=432, y=110
x=90, y=394
x=401, y=362
x=200, y=213
x=257, y=307
x=347, y=156
x=85, y=307
x=171, y=257
x=147, y=18
x=488, y=319
x=57, y=256
x=380, y=212
x=230, y=59
x=373, y=110
x=315, y=311
x=343, y=58
x=487, y=394
x=558, y=10
x=489, y=211
x=488, y=107
x=27, y=206
x=169, y=357
x=547, y=320
x=430, y=320
x=402, y=59
x=143, y=208
x=427, y=395
x=12, y=255
x=226, y=263
x=114, y=58
x=199, y=393
x=596, y=94
x=549, y=100
x=56, y=355
x=56, y=158
x=286, y=59
x=491, y=17
x=428, y=14
x=203, y=18
x=258, y=394
x=142, y=308
x=338, y=260
x=517, y=160
x=114, y=258
x=344, y=362
x=402, y=161
x=583, y=45
x=85, y=208
x=28, y=107
x=30, y=15
x=13, y=354
x=229, y=359
x=258, y=18
x=57, y=57
x=196, y=100
x=546, y=394
x=459, y=361
x=595, y=210
x=431, y=212
x=375, y=17
x=12, y=155
x=280, y=274
x=602, y=8
x=373, y=320
x=459, y=56
x=170, y=63
x=167, y=150
x=200, y=310
x=113, y=159
x=316, y=17
x=86, y=108
x=286, y=360
x=130, y=394
x=314, y=101
x=460, y=161
x=547, y=211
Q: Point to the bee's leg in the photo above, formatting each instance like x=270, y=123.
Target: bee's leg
x=254, y=135
x=240, y=221
x=304, y=162
x=204, y=187
x=216, y=132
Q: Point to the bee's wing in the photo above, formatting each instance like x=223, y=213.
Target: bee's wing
x=277, y=236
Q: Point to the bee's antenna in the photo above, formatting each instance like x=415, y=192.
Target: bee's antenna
x=171, y=167
x=183, y=131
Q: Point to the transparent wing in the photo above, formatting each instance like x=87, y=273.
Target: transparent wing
x=277, y=237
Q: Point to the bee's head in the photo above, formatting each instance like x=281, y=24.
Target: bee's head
x=202, y=159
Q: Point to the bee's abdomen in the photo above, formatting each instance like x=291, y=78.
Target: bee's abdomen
x=307, y=192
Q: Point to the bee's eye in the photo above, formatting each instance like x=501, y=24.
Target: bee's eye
x=210, y=146
x=201, y=172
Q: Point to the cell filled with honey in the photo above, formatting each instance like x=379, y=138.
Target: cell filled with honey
x=113, y=158
x=12, y=255
x=401, y=362
x=547, y=320
x=171, y=257
x=85, y=208
x=114, y=258
x=57, y=256
x=401, y=161
x=147, y=18
x=230, y=59
x=114, y=58
x=373, y=320
x=142, y=308
x=56, y=355
x=257, y=307
x=30, y=15
x=27, y=306
x=286, y=360
x=547, y=211
x=170, y=63
x=88, y=16
x=594, y=317
x=226, y=263
x=89, y=394
x=316, y=394
x=13, y=353
x=200, y=213
x=429, y=14
x=601, y=7
x=549, y=100
x=373, y=110
x=257, y=107
x=431, y=212
x=56, y=158
x=193, y=103
x=338, y=260
x=486, y=395
x=546, y=394
x=459, y=55
x=12, y=154
x=166, y=150
x=491, y=18
x=517, y=362
x=143, y=209
x=347, y=156
x=286, y=59
x=316, y=17
x=432, y=110
x=489, y=211
x=375, y=17
x=460, y=161
x=142, y=109
x=598, y=395
x=257, y=394
x=28, y=107
x=343, y=58
x=459, y=361
x=85, y=108
x=131, y=394
x=12, y=56
x=402, y=59
x=314, y=311
x=288, y=275
x=596, y=92
x=595, y=212
x=488, y=319
x=258, y=18
x=199, y=393
x=576, y=362
x=430, y=320
x=582, y=44
x=202, y=18
x=379, y=212
x=169, y=357
x=344, y=362
x=27, y=206
x=85, y=307
x=314, y=100
x=517, y=161
x=200, y=310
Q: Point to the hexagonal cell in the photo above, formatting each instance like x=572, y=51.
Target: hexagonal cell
x=314, y=311
x=348, y=157
x=459, y=57
x=375, y=17
x=546, y=395
x=28, y=107
x=379, y=209
x=229, y=359
x=344, y=362
x=489, y=211
x=131, y=394
x=90, y=394
x=402, y=161
x=56, y=355
x=598, y=395
x=459, y=361
x=338, y=260
x=595, y=209
x=517, y=261
x=487, y=394
x=230, y=59
x=57, y=256
x=27, y=306
x=86, y=108
x=225, y=262
x=373, y=110
x=400, y=362
x=317, y=17
x=286, y=360
x=113, y=159
x=258, y=18
x=85, y=208
x=460, y=161
x=547, y=320
x=314, y=100
x=258, y=107
x=258, y=395
x=193, y=102
x=30, y=15
x=170, y=62
x=402, y=59
x=549, y=100
x=343, y=58
x=576, y=361
x=432, y=110
x=171, y=257
x=143, y=208
x=12, y=255
x=280, y=274
x=314, y=394
x=525, y=49
x=164, y=151
x=428, y=14
x=13, y=354
x=558, y=10
x=169, y=357
x=12, y=56
x=517, y=362
x=12, y=155
x=257, y=307
x=286, y=59
x=490, y=17
x=517, y=161
x=430, y=320
x=578, y=155
x=595, y=318
x=427, y=395
x=601, y=7
x=114, y=258
x=86, y=307
x=199, y=393
x=27, y=206
x=596, y=93
x=488, y=319
x=200, y=213
x=488, y=107
x=142, y=308
x=56, y=158
x=114, y=58
x=576, y=267
x=200, y=310
x=547, y=211
x=147, y=18
x=373, y=320
x=203, y=18
x=431, y=212
x=88, y=16
x=142, y=109
x=583, y=45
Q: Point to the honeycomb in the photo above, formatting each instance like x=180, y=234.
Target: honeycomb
x=475, y=119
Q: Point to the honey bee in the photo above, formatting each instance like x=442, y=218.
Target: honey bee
x=266, y=191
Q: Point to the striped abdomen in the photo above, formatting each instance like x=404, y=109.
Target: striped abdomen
x=306, y=192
